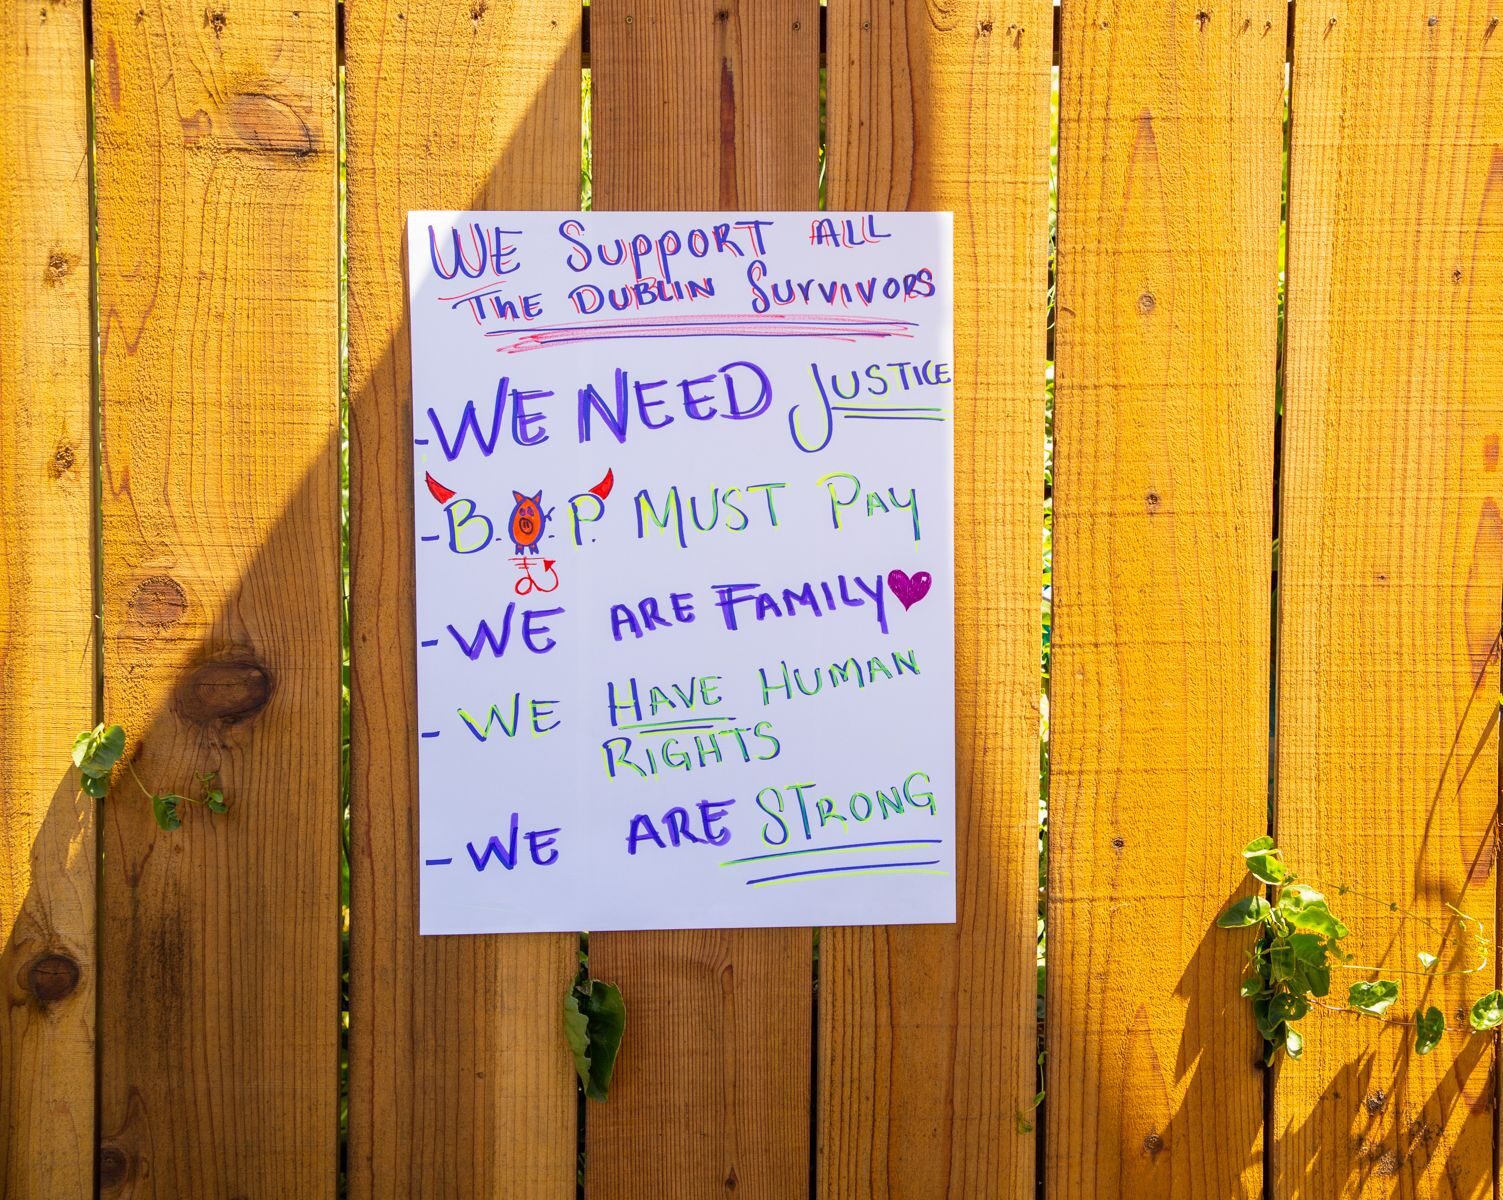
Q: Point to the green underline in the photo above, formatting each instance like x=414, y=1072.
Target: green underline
x=731, y=862
x=883, y=871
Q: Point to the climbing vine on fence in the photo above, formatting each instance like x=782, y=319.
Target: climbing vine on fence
x=1289, y=966
x=97, y=752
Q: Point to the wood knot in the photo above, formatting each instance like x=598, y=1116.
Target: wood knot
x=983, y=28
x=731, y=1181
x=1432, y=21
x=114, y=1166
x=1146, y=303
x=477, y=10
x=1456, y=275
x=1153, y=500
x=157, y=602
x=270, y=126
x=1118, y=843
x=63, y=459
x=214, y=19
x=59, y=264
x=1153, y=1143
x=1375, y=1102
x=52, y=977
x=226, y=690
x=1202, y=18
x=722, y=15
x=797, y=25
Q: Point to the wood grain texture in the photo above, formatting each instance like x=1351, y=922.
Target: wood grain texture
x=48, y=842
x=1392, y=570
x=706, y=104
x=218, y=292
x=461, y=1084
x=927, y=1033
x=1171, y=130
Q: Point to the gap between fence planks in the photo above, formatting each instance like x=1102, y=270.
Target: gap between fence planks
x=1166, y=343
x=217, y=168
x=1392, y=572
x=47, y=830
x=710, y=105
x=927, y=1039
x=461, y=1084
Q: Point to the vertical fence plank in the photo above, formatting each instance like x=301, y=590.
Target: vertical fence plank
x=47, y=832
x=927, y=1043
x=1392, y=571
x=218, y=285
x=706, y=104
x=1171, y=122
x=460, y=1082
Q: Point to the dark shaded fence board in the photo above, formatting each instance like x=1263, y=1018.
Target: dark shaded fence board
x=218, y=294
x=1166, y=347
x=460, y=1082
x=1392, y=570
x=47, y=831
x=706, y=104
x=927, y=1034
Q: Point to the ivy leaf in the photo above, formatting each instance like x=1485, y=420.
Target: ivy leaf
x=1288, y=1006
x=1428, y=1028
x=1267, y=867
x=1428, y=961
x=594, y=1021
x=1251, y=986
x=1259, y=846
x=96, y=751
x=1312, y=969
x=1274, y=1042
x=214, y=800
x=1305, y=908
x=95, y=786
x=1487, y=1013
x=1282, y=962
x=164, y=808
x=1252, y=911
x=1294, y=1042
x=1376, y=996
x=1267, y=1025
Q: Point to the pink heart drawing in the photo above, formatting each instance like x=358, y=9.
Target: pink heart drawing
x=909, y=591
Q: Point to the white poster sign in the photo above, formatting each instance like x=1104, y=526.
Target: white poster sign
x=685, y=632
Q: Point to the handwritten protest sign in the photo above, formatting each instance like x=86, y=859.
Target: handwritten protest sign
x=685, y=569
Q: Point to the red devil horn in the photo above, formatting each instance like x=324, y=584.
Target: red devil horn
x=603, y=488
x=440, y=493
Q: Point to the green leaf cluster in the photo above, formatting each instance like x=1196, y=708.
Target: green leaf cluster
x=96, y=753
x=594, y=1022
x=1289, y=966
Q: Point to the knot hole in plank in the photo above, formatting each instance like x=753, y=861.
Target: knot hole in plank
x=224, y=691
x=52, y=977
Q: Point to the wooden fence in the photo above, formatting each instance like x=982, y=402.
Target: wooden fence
x=170, y=185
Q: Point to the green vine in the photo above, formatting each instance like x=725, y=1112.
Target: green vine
x=96, y=753
x=1290, y=965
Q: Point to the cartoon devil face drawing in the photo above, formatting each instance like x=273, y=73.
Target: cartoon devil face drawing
x=527, y=522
